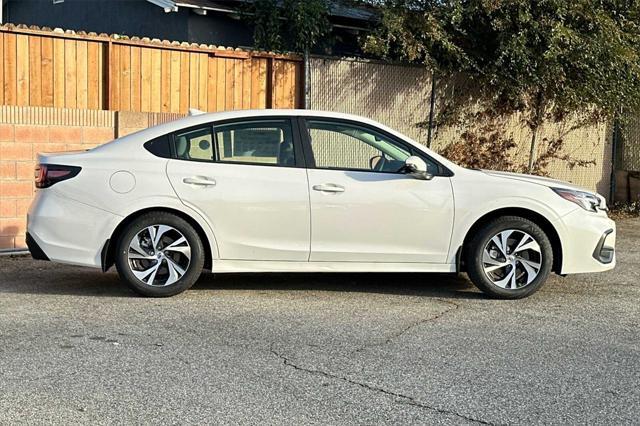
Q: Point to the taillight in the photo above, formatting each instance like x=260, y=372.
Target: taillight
x=50, y=174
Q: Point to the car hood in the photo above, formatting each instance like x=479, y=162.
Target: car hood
x=540, y=180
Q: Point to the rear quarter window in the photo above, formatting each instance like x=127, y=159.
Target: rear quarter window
x=159, y=147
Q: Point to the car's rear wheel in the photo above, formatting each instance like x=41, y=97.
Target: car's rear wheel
x=509, y=257
x=159, y=254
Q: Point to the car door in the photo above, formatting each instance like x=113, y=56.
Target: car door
x=364, y=208
x=248, y=178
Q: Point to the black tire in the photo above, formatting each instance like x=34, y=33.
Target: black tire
x=478, y=242
x=192, y=271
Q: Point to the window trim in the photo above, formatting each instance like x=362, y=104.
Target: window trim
x=297, y=148
x=304, y=134
x=295, y=134
x=172, y=142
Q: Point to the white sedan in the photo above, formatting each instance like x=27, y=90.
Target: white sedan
x=305, y=191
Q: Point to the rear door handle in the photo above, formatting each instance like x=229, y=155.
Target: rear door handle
x=328, y=187
x=199, y=181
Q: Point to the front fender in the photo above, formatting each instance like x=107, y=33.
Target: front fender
x=467, y=217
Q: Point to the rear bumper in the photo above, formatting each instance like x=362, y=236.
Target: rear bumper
x=588, y=242
x=35, y=250
x=64, y=230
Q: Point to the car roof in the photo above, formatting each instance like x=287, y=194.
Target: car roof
x=251, y=113
x=204, y=118
x=138, y=138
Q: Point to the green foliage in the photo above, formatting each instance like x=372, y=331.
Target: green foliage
x=298, y=25
x=264, y=16
x=546, y=57
x=307, y=22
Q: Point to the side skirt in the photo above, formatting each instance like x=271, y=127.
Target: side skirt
x=228, y=266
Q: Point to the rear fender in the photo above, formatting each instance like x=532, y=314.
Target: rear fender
x=166, y=204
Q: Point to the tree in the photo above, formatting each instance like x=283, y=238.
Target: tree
x=299, y=25
x=546, y=59
x=293, y=25
x=265, y=18
x=307, y=22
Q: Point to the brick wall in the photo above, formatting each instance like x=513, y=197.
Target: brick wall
x=26, y=131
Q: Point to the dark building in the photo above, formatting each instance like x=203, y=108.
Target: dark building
x=195, y=21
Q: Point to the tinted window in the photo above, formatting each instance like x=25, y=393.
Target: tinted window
x=346, y=146
x=159, y=147
x=337, y=145
x=194, y=144
x=256, y=142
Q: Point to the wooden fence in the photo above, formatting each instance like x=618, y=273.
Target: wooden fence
x=69, y=70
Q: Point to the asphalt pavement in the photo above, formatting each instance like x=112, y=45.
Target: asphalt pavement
x=77, y=347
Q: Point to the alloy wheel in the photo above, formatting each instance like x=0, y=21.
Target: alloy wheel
x=159, y=255
x=512, y=259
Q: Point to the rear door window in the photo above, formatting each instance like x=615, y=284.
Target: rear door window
x=260, y=142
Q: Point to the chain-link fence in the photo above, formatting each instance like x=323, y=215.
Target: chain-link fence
x=399, y=96
x=628, y=144
x=627, y=159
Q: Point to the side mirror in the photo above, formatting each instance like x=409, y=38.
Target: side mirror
x=417, y=168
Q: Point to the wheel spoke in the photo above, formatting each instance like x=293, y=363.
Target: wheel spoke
x=162, y=229
x=140, y=253
x=494, y=263
x=486, y=258
x=180, y=245
x=504, y=238
x=525, y=238
x=530, y=245
x=141, y=275
x=140, y=256
x=534, y=265
x=531, y=268
x=498, y=242
x=514, y=284
x=175, y=271
x=504, y=281
x=152, y=234
x=153, y=274
x=495, y=267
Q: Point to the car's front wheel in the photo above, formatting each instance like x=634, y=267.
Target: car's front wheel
x=159, y=254
x=509, y=257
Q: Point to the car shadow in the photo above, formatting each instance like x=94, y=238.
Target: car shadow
x=400, y=284
x=77, y=281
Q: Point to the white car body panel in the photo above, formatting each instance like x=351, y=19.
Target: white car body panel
x=274, y=225
x=261, y=218
x=413, y=224
x=71, y=232
x=280, y=266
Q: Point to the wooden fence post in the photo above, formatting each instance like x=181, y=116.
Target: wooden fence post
x=269, y=93
x=106, y=78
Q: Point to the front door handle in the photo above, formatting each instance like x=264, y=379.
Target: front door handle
x=199, y=181
x=328, y=187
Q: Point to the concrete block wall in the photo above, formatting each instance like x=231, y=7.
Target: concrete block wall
x=26, y=131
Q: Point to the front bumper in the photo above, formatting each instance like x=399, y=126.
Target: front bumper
x=604, y=253
x=588, y=242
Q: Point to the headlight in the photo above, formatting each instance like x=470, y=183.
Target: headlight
x=586, y=200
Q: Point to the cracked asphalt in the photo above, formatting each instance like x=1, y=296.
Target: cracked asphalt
x=78, y=347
